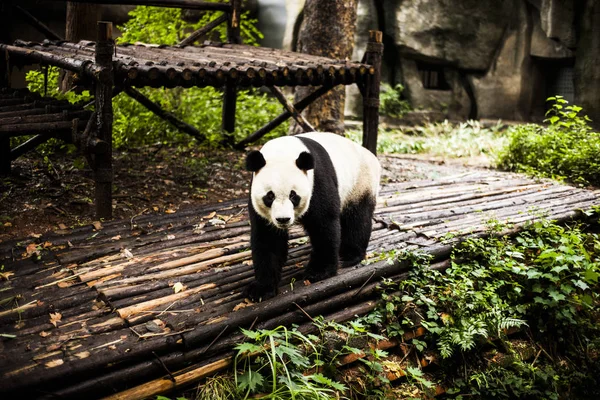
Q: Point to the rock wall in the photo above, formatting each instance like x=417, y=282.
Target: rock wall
x=496, y=58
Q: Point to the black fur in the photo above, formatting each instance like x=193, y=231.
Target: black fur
x=322, y=219
x=255, y=161
x=356, y=222
x=333, y=234
x=269, y=254
x=305, y=161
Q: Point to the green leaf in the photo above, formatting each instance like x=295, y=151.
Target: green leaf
x=581, y=284
x=250, y=380
x=247, y=348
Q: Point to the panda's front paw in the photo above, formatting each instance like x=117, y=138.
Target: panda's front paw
x=257, y=292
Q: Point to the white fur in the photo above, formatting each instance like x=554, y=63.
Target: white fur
x=358, y=173
x=358, y=170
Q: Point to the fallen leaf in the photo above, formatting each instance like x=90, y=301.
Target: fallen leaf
x=62, y=227
x=168, y=182
x=53, y=347
x=31, y=248
x=112, y=347
x=6, y=275
x=55, y=318
x=70, y=244
x=45, y=334
x=210, y=216
x=170, y=211
x=114, y=238
x=306, y=282
x=46, y=245
x=35, y=235
x=7, y=224
x=97, y=225
x=155, y=208
x=54, y=363
x=170, y=237
x=179, y=287
x=19, y=324
x=216, y=221
x=83, y=354
x=243, y=304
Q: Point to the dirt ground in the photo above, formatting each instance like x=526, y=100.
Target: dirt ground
x=56, y=192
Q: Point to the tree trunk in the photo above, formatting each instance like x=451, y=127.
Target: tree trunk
x=81, y=25
x=327, y=30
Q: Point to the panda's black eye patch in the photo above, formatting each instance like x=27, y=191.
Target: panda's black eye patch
x=269, y=198
x=294, y=198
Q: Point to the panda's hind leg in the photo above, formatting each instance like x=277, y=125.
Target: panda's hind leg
x=356, y=223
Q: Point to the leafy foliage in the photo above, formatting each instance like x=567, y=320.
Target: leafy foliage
x=567, y=148
x=545, y=281
x=392, y=103
x=273, y=362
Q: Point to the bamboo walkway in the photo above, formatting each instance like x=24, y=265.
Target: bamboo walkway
x=96, y=310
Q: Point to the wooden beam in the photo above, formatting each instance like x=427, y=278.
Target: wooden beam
x=204, y=30
x=373, y=57
x=29, y=145
x=299, y=106
x=167, y=116
x=306, y=126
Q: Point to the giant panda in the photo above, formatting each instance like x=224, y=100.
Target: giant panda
x=323, y=181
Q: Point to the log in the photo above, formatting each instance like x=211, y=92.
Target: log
x=68, y=63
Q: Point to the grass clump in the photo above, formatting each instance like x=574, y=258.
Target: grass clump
x=566, y=149
x=442, y=139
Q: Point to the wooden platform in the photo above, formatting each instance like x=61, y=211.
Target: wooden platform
x=210, y=64
x=112, y=306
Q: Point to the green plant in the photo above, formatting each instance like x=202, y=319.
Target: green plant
x=391, y=100
x=567, y=148
x=276, y=363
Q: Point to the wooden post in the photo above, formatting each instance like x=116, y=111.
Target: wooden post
x=371, y=95
x=230, y=91
x=104, y=120
x=5, y=155
x=4, y=83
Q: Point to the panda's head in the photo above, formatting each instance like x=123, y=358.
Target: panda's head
x=281, y=185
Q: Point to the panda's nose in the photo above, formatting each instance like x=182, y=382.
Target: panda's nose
x=283, y=220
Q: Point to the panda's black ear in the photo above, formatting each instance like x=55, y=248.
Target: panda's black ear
x=305, y=161
x=255, y=161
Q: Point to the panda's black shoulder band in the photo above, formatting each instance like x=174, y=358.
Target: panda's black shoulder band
x=305, y=161
x=255, y=161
